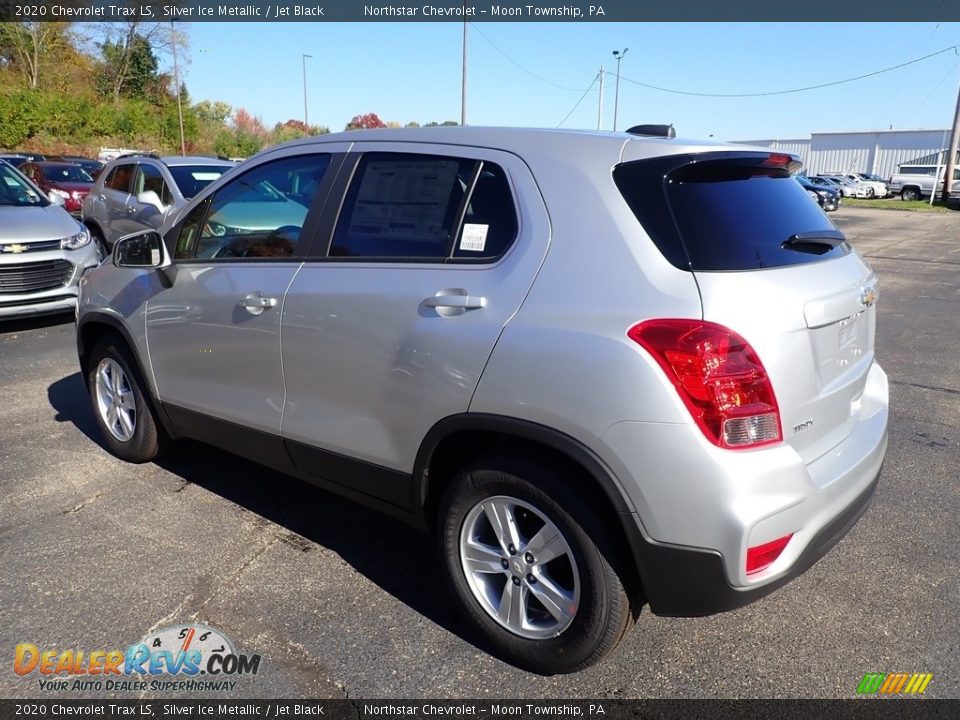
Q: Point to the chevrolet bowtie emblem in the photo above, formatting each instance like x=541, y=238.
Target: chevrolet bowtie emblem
x=868, y=296
x=13, y=248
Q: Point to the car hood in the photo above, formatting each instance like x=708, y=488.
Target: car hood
x=82, y=187
x=27, y=224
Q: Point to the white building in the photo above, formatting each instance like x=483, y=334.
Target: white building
x=870, y=151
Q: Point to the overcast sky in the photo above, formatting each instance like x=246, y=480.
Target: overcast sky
x=411, y=71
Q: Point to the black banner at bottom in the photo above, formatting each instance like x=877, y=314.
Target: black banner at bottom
x=865, y=708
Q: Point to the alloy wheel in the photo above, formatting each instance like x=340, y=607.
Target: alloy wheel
x=519, y=567
x=115, y=400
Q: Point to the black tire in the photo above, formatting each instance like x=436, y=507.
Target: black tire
x=148, y=438
x=909, y=194
x=603, y=615
x=871, y=193
x=102, y=249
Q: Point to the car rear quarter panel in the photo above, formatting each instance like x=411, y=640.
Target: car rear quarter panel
x=565, y=360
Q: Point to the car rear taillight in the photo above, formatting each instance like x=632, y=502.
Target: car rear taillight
x=763, y=556
x=719, y=378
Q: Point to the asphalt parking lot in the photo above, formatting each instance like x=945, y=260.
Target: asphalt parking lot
x=341, y=602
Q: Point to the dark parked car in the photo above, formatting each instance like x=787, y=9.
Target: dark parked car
x=15, y=159
x=69, y=181
x=93, y=167
x=827, y=198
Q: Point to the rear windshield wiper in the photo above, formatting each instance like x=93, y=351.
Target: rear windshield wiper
x=816, y=242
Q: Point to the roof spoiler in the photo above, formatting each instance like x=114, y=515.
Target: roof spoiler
x=664, y=131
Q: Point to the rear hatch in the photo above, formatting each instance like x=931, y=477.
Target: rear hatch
x=770, y=266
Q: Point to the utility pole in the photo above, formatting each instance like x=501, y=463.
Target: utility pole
x=176, y=80
x=306, y=121
x=463, y=77
x=952, y=153
x=618, y=55
x=600, y=108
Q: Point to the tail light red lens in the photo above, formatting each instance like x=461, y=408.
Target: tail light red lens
x=763, y=556
x=719, y=378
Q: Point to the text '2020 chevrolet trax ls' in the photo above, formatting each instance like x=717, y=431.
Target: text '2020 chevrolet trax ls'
x=606, y=370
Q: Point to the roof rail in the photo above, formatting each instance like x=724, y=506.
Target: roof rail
x=138, y=154
x=665, y=131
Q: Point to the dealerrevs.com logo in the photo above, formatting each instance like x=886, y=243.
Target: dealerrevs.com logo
x=183, y=657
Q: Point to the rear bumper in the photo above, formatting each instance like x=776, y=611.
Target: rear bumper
x=696, y=509
x=681, y=581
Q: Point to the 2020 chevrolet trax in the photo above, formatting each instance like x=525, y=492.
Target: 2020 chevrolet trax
x=606, y=370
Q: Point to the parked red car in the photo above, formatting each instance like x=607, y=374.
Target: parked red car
x=69, y=181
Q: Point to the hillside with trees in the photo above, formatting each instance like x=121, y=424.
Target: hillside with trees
x=72, y=88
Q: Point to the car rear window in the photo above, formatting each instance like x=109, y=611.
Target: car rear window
x=191, y=179
x=727, y=211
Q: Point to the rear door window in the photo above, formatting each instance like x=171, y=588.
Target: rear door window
x=411, y=207
x=150, y=178
x=728, y=211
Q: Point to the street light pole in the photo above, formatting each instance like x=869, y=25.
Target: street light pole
x=600, y=105
x=176, y=80
x=618, y=56
x=463, y=78
x=306, y=120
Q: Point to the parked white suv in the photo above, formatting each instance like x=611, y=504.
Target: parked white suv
x=604, y=369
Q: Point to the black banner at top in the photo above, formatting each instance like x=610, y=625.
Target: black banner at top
x=479, y=10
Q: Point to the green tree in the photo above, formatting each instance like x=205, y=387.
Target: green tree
x=124, y=48
x=213, y=112
x=20, y=117
x=129, y=67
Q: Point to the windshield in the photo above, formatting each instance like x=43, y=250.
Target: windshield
x=66, y=173
x=191, y=179
x=15, y=191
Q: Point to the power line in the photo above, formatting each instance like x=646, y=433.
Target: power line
x=930, y=94
x=891, y=98
x=529, y=72
x=792, y=90
x=585, y=93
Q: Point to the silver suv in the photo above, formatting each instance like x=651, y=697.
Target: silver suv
x=606, y=370
x=43, y=251
x=137, y=192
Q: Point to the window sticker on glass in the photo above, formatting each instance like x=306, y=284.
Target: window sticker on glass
x=206, y=175
x=404, y=199
x=474, y=237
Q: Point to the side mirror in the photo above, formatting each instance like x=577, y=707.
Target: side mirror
x=149, y=197
x=56, y=199
x=140, y=250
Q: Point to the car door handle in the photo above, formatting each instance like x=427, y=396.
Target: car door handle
x=131, y=209
x=256, y=303
x=454, y=302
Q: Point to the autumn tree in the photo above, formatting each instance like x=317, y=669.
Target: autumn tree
x=27, y=47
x=364, y=122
